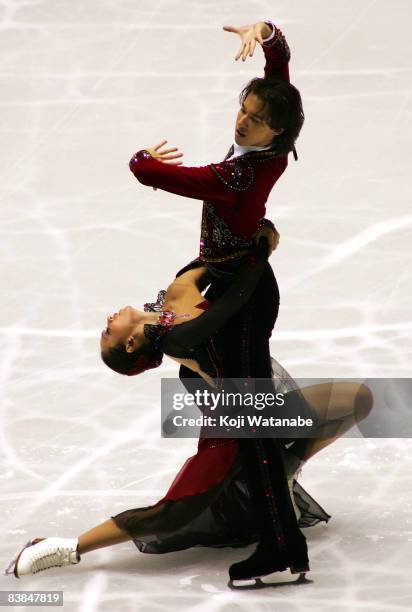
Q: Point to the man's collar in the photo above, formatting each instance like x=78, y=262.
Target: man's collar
x=241, y=150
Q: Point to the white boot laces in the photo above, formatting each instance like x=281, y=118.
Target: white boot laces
x=55, y=558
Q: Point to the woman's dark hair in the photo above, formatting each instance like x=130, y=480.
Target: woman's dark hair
x=282, y=105
x=144, y=358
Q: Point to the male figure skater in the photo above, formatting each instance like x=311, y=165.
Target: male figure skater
x=234, y=193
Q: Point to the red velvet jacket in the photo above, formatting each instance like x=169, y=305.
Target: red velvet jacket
x=234, y=192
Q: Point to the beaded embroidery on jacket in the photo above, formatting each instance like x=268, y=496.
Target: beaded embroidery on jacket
x=216, y=238
x=217, y=242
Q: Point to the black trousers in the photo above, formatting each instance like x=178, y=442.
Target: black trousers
x=242, y=348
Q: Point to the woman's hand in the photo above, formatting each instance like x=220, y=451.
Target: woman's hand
x=249, y=34
x=272, y=236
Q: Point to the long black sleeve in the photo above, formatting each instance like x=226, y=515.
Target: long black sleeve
x=186, y=336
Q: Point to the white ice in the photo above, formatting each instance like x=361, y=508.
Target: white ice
x=83, y=86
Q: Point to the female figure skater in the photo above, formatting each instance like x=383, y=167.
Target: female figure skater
x=209, y=502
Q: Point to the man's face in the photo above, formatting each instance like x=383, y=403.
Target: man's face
x=251, y=128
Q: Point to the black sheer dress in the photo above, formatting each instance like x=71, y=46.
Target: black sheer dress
x=213, y=499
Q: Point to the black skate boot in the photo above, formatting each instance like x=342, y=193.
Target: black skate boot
x=264, y=561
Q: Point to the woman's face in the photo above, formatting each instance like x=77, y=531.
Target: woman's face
x=121, y=327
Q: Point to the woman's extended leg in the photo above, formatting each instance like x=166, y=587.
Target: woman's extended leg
x=344, y=401
x=104, y=534
x=165, y=517
x=347, y=402
x=44, y=553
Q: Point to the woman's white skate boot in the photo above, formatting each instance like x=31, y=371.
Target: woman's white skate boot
x=43, y=553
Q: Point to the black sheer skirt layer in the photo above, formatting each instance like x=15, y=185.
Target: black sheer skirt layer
x=223, y=515
x=219, y=498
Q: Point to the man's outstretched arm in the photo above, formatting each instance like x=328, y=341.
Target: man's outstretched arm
x=277, y=53
x=198, y=182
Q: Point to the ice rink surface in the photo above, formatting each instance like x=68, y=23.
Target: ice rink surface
x=84, y=85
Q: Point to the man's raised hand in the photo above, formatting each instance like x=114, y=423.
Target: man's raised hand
x=249, y=34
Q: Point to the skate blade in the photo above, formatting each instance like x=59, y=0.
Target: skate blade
x=11, y=568
x=258, y=583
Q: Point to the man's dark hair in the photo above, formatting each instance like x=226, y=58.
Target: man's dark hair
x=119, y=360
x=282, y=106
